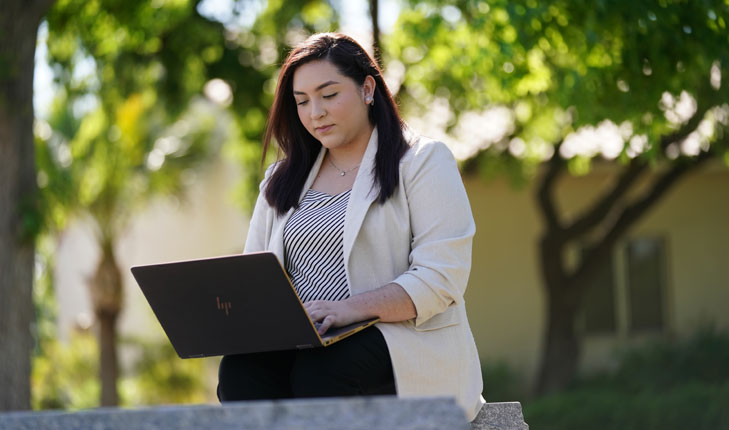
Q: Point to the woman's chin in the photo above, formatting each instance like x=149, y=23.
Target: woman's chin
x=330, y=143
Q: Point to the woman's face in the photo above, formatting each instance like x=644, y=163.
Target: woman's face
x=331, y=106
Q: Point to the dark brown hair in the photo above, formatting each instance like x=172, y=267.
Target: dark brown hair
x=300, y=148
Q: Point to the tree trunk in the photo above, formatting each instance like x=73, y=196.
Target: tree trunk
x=19, y=21
x=564, y=289
x=106, y=297
x=562, y=348
x=109, y=368
x=374, y=14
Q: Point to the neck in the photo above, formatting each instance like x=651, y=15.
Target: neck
x=351, y=155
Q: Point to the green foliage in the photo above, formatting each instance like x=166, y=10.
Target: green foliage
x=142, y=63
x=159, y=376
x=565, y=52
x=661, y=386
x=44, y=298
x=561, y=65
x=501, y=383
x=702, y=359
x=108, y=164
x=694, y=406
x=65, y=375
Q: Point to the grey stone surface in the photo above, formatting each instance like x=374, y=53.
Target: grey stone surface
x=500, y=416
x=384, y=412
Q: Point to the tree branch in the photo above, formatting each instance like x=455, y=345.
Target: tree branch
x=593, y=216
x=634, y=212
x=690, y=126
x=597, y=213
x=545, y=191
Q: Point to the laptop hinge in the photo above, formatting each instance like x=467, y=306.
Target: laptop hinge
x=307, y=346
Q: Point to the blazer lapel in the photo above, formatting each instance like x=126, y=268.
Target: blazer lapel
x=276, y=243
x=362, y=196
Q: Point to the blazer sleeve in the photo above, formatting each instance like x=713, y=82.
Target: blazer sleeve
x=442, y=231
x=259, y=229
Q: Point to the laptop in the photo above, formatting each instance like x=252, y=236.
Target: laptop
x=232, y=305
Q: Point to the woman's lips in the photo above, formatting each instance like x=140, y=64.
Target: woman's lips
x=325, y=128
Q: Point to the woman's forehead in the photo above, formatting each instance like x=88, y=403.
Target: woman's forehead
x=315, y=75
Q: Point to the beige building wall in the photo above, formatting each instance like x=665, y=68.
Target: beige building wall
x=505, y=299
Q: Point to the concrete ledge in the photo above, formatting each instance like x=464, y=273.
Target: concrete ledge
x=500, y=416
x=365, y=413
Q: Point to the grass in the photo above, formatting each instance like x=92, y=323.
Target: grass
x=662, y=386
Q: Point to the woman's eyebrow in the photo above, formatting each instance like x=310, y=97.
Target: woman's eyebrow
x=325, y=84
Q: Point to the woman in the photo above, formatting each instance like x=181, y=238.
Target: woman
x=369, y=222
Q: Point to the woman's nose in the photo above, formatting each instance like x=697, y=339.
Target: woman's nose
x=317, y=110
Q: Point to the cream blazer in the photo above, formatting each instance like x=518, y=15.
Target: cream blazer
x=420, y=238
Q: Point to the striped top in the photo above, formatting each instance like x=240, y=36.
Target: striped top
x=314, y=247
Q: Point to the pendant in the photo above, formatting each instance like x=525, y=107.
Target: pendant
x=343, y=173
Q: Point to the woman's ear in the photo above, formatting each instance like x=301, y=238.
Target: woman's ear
x=368, y=89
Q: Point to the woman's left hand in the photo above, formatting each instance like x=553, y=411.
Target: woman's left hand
x=333, y=313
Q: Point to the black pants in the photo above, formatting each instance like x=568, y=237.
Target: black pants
x=357, y=365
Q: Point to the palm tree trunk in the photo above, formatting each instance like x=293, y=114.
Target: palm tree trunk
x=106, y=296
x=109, y=368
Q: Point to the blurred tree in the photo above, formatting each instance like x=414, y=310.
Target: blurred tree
x=65, y=372
x=374, y=9
x=642, y=83
x=19, y=20
x=123, y=128
x=106, y=166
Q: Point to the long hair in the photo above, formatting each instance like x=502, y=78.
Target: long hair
x=300, y=148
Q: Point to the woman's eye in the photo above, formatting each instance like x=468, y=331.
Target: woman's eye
x=330, y=95
x=302, y=103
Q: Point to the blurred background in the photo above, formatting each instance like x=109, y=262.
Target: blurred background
x=593, y=139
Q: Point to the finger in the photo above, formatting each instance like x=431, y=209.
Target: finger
x=328, y=321
x=308, y=307
x=314, y=314
x=314, y=306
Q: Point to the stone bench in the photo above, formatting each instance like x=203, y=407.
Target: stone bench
x=366, y=413
x=500, y=416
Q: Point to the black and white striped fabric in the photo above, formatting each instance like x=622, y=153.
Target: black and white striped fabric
x=314, y=249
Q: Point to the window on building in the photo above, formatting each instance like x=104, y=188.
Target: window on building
x=645, y=279
x=628, y=294
x=599, y=302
